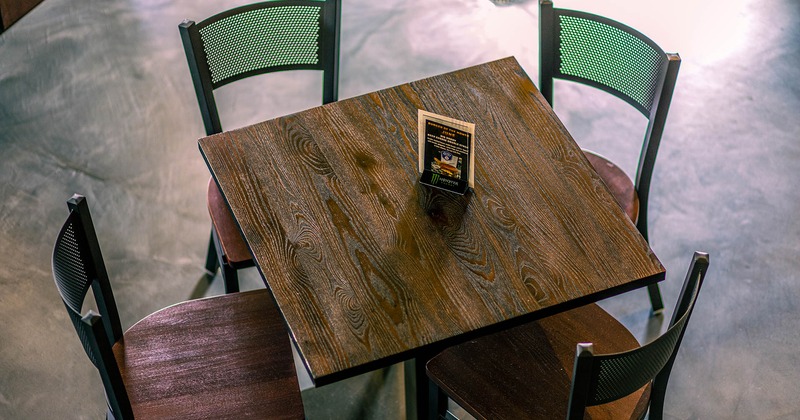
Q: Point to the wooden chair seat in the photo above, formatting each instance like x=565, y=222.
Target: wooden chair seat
x=211, y=358
x=224, y=357
x=234, y=248
x=619, y=184
x=524, y=372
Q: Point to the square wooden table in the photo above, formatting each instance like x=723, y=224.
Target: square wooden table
x=370, y=268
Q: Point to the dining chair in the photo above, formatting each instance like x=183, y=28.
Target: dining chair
x=535, y=372
x=220, y=357
x=246, y=41
x=605, y=54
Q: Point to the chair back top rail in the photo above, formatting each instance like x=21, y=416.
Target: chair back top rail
x=262, y=38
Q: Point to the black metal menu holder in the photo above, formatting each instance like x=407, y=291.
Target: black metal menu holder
x=435, y=180
x=446, y=152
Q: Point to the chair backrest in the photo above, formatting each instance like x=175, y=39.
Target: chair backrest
x=77, y=266
x=262, y=38
x=599, y=52
x=599, y=379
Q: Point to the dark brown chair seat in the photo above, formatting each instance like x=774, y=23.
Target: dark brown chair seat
x=225, y=357
x=619, y=184
x=525, y=372
x=235, y=252
x=534, y=371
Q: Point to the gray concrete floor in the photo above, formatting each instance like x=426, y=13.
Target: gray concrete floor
x=95, y=97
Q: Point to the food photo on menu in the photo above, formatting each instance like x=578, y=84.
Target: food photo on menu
x=448, y=165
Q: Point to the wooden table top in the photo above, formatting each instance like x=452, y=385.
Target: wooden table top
x=369, y=267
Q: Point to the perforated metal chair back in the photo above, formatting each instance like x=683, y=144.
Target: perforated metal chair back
x=246, y=41
x=77, y=267
x=600, y=52
x=600, y=379
x=262, y=38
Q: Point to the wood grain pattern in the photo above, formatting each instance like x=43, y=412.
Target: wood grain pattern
x=225, y=357
x=368, y=266
x=12, y=10
x=526, y=372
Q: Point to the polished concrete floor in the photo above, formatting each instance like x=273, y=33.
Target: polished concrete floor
x=95, y=98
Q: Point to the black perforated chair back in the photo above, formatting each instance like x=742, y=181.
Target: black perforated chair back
x=77, y=267
x=599, y=379
x=600, y=52
x=262, y=38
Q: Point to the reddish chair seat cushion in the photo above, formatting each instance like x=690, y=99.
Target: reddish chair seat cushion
x=618, y=183
x=234, y=248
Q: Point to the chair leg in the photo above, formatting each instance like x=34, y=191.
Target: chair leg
x=656, y=409
x=652, y=290
x=655, y=299
x=231, y=279
x=212, y=260
x=229, y=276
x=438, y=401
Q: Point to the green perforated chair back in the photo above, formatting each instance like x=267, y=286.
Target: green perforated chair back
x=596, y=52
x=603, y=53
x=600, y=379
x=261, y=38
x=600, y=52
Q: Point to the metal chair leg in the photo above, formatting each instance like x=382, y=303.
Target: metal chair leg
x=655, y=299
x=439, y=400
x=212, y=260
x=231, y=279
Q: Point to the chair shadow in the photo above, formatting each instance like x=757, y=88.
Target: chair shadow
x=652, y=329
x=201, y=287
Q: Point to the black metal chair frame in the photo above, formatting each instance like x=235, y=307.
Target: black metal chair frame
x=604, y=378
x=656, y=111
x=78, y=265
x=328, y=63
x=599, y=379
x=98, y=333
